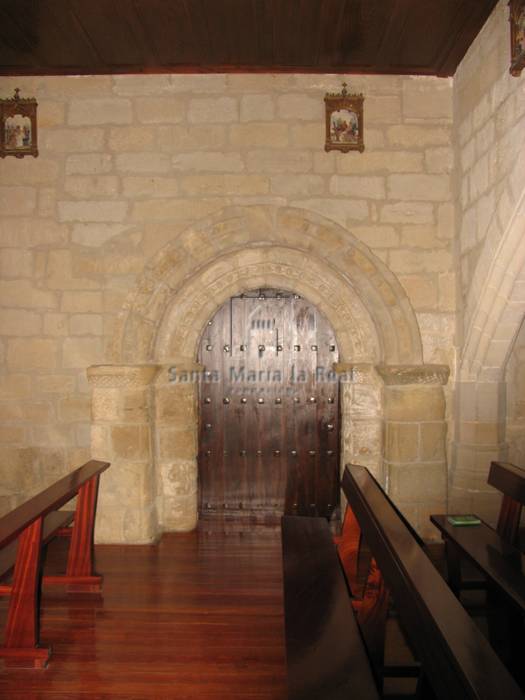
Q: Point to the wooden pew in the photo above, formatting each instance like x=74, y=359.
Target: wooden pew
x=55, y=524
x=371, y=597
x=495, y=554
x=457, y=661
x=326, y=658
x=510, y=481
x=34, y=523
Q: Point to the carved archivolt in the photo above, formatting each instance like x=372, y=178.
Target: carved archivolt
x=243, y=248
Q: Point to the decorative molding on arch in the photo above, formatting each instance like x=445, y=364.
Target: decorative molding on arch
x=496, y=302
x=402, y=375
x=195, y=303
x=241, y=248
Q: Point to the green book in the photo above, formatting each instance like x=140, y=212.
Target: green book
x=463, y=520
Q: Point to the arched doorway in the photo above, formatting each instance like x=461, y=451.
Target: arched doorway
x=269, y=410
x=153, y=485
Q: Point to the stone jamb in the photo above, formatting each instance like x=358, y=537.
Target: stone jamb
x=121, y=433
x=415, y=466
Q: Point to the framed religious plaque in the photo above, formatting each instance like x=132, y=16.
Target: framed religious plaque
x=344, y=122
x=517, y=36
x=18, y=130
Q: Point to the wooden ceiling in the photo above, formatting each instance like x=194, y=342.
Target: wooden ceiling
x=425, y=37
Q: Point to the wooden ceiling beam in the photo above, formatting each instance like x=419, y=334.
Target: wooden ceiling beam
x=233, y=36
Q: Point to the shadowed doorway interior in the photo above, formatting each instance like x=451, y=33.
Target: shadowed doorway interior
x=269, y=410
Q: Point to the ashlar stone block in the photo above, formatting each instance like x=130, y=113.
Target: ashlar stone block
x=432, y=446
x=418, y=482
x=81, y=352
x=429, y=188
x=257, y=108
x=17, y=201
x=259, y=135
x=20, y=323
x=210, y=110
x=402, y=442
x=100, y=111
x=160, y=110
x=130, y=442
x=101, y=210
x=414, y=403
x=38, y=353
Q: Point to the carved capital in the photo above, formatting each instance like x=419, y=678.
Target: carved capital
x=121, y=376
x=399, y=375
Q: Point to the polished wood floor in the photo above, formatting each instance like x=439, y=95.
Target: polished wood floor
x=198, y=616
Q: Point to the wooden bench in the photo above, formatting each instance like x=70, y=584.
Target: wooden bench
x=456, y=659
x=494, y=554
x=23, y=533
x=55, y=524
x=326, y=658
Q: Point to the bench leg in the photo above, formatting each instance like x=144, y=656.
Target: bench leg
x=21, y=646
x=453, y=567
x=80, y=576
x=506, y=630
x=424, y=689
x=372, y=613
x=349, y=548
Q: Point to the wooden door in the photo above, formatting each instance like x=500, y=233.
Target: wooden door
x=269, y=410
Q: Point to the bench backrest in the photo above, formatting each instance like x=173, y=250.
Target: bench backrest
x=325, y=654
x=456, y=658
x=52, y=498
x=510, y=481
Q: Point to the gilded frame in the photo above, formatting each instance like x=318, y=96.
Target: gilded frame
x=18, y=126
x=344, y=122
x=517, y=36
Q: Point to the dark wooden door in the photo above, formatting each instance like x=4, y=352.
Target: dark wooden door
x=269, y=410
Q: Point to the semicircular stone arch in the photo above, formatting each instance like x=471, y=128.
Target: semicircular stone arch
x=316, y=255
x=243, y=270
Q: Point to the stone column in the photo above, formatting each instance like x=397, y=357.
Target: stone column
x=361, y=417
x=122, y=412
x=176, y=417
x=480, y=439
x=415, y=437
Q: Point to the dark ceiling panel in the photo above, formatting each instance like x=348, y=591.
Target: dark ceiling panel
x=177, y=33
x=15, y=45
x=424, y=32
x=265, y=37
x=474, y=15
x=287, y=48
x=115, y=32
x=52, y=33
x=331, y=22
x=345, y=36
x=232, y=31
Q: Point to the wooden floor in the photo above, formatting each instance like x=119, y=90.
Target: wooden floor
x=199, y=616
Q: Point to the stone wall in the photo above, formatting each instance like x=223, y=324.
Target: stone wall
x=515, y=381
x=489, y=133
x=129, y=164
